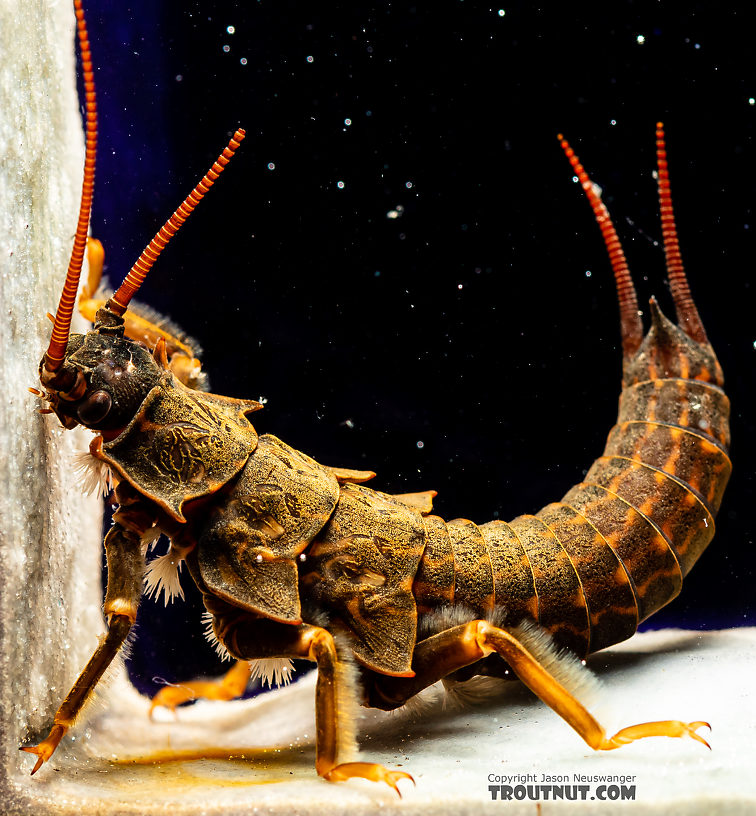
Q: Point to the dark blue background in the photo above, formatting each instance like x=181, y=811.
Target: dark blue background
x=469, y=323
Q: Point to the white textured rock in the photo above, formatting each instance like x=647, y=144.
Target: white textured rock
x=50, y=537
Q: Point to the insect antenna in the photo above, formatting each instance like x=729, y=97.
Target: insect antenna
x=630, y=322
x=119, y=301
x=687, y=314
x=62, y=324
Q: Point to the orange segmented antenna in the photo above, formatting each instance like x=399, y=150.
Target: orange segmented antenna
x=119, y=301
x=687, y=314
x=62, y=325
x=630, y=322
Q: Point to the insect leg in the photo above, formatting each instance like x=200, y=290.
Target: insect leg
x=336, y=693
x=125, y=570
x=542, y=683
x=231, y=685
x=118, y=629
x=455, y=648
x=318, y=645
x=95, y=264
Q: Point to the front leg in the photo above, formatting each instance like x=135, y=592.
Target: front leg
x=125, y=570
x=335, y=693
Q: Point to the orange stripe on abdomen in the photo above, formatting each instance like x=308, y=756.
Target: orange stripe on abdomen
x=612, y=607
x=647, y=556
x=699, y=406
x=687, y=455
x=676, y=509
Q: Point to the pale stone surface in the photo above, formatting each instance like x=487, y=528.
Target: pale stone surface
x=656, y=675
x=50, y=537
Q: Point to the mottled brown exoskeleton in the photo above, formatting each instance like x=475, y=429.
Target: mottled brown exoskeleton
x=298, y=560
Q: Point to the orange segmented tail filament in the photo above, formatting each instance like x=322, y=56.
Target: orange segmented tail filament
x=687, y=314
x=630, y=322
x=119, y=302
x=62, y=326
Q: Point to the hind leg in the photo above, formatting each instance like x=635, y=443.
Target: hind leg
x=455, y=648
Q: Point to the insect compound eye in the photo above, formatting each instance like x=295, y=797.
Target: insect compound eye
x=94, y=408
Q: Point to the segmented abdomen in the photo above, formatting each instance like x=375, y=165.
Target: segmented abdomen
x=617, y=546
